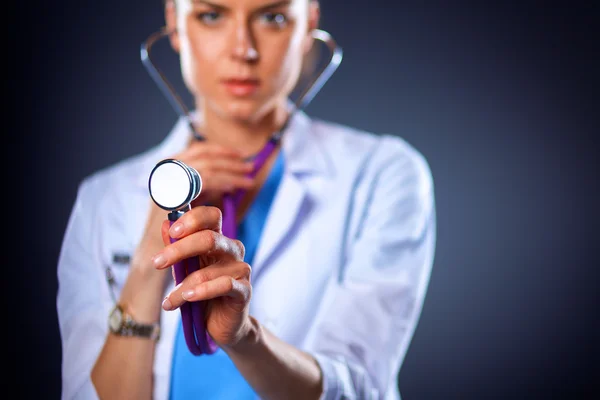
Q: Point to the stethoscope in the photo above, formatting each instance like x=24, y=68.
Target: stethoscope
x=173, y=185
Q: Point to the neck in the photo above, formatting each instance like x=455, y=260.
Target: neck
x=247, y=136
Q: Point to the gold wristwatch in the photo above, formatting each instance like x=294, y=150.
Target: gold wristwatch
x=123, y=324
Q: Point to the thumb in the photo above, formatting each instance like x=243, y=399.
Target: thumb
x=165, y=232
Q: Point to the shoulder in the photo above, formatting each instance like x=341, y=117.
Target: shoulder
x=392, y=182
x=389, y=175
x=374, y=153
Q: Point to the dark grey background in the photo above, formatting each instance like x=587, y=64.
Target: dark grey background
x=500, y=98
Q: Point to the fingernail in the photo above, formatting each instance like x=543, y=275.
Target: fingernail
x=166, y=304
x=158, y=260
x=188, y=294
x=176, y=229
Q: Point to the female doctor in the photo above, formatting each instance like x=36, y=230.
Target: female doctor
x=320, y=293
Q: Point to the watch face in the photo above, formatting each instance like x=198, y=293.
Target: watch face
x=116, y=319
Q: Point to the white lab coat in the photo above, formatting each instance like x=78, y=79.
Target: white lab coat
x=341, y=270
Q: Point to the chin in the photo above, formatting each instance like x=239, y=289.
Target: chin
x=243, y=110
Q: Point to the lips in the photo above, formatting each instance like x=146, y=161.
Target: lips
x=241, y=86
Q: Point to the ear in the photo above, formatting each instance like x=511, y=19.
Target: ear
x=171, y=24
x=314, y=15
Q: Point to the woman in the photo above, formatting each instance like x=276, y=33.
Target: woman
x=322, y=306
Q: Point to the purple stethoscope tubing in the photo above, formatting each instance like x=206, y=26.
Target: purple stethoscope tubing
x=231, y=201
x=193, y=315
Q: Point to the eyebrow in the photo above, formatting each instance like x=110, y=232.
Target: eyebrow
x=275, y=4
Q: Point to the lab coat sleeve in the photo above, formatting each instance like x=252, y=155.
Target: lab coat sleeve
x=81, y=299
x=365, y=330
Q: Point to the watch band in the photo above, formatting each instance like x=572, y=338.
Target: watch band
x=133, y=328
x=123, y=324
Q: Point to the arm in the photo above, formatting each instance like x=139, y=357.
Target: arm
x=124, y=368
x=274, y=368
x=365, y=331
x=97, y=363
x=93, y=361
x=363, y=334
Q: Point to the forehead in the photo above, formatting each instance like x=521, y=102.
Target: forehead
x=243, y=3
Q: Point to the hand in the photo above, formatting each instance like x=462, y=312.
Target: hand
x=223, y=280
x=222, y=170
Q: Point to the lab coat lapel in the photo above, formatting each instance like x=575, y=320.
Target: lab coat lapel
x=304, y=159
x=288, y=205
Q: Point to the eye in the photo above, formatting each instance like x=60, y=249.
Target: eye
x=277, y=20
x=209, y=18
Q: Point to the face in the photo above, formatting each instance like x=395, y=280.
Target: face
x=240, y=58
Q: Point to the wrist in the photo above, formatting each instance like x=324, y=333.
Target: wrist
x=140, y=307
x=143, y=292
x=251, y=336
x=146, y=273
x=142, y=267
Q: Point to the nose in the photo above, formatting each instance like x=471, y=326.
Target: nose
x=244, y=45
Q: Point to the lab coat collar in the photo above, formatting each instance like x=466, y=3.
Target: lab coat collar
x=302, y=148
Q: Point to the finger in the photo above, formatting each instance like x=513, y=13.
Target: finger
x=197, y=219
x=199, y=243
x=226, y=182
x=239, y=290
x=164, y=230
x=236, y=270
x=221, y=164
x=207, y=149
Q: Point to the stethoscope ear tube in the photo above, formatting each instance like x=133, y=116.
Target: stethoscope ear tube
x=308, y=93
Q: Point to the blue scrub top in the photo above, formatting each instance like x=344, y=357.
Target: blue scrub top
x=215, y=376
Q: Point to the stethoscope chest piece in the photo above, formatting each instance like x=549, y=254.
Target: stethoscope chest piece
x=173, y=185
